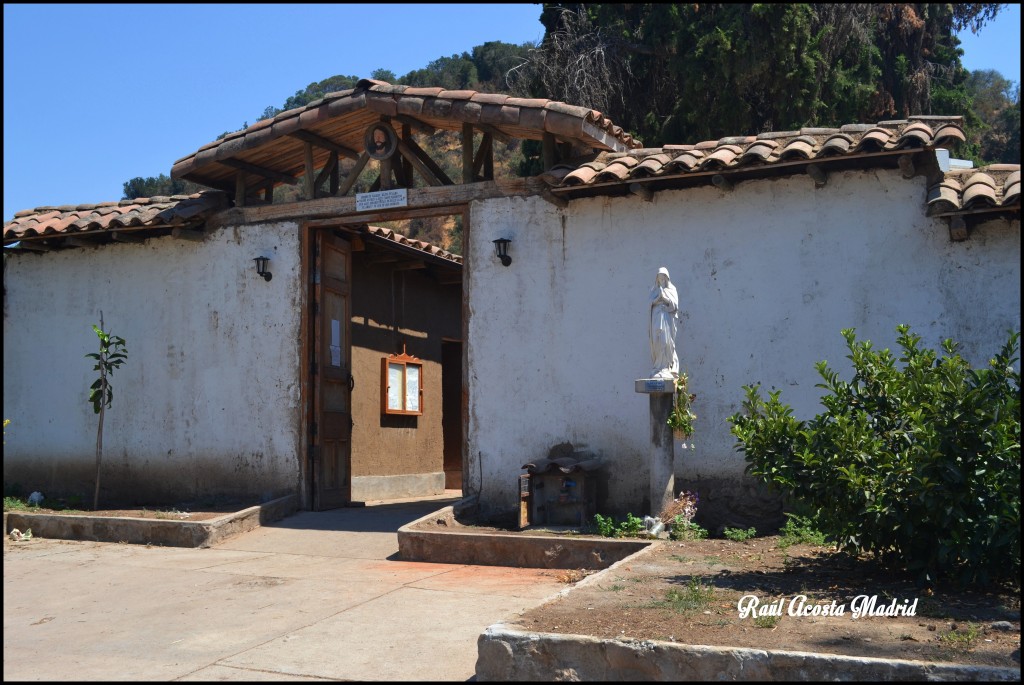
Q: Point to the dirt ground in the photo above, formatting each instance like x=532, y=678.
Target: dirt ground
x=174, y=513
x=689, y=592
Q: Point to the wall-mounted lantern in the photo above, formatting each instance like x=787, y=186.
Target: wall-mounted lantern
x=501, y=250
x=261, y=267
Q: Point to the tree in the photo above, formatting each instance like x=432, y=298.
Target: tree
x=675, y=72
x=918, y=465
x=153, y=186
x=997, y=104
x=110, y=357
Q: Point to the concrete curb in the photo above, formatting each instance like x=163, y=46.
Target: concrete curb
x=523, y=551
x=150, y=531
x=505, y=653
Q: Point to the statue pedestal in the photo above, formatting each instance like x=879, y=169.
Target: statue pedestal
x=662, y=466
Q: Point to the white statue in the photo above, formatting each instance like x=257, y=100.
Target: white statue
x=663, y=324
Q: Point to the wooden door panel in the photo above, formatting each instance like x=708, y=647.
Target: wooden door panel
x=332, y=442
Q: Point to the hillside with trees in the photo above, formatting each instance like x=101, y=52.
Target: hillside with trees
x=678, y=73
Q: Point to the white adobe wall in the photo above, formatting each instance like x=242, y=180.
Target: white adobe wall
x=208, y=401
x=767, y=276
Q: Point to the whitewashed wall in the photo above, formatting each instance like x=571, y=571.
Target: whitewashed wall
x=767, y=276
x=208, y=401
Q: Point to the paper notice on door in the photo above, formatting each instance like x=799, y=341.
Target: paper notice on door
x=335, y=342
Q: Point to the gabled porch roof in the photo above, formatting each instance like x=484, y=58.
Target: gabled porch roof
x=295, y=142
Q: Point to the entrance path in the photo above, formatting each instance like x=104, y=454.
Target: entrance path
x=318, y=595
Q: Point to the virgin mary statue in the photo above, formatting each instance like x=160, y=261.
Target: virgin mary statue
x=663, y=324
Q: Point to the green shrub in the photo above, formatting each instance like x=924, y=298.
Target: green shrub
x=738, y=534
x=633, y=526
x=686, y=530
x=918, y=465
x=800, y=530
x=14, y=504
x=605, y=525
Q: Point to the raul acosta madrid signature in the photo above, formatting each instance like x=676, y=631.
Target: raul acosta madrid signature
x=861, y=605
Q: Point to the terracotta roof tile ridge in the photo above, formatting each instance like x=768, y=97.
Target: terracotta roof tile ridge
x=402, y=239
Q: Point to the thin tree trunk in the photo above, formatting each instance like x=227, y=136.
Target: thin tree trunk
x=99, y=430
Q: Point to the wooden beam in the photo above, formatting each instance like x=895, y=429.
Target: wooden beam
x=415, y=123
x=387, y=215
x=721, y=182
x=332, y=164
x=188, y=234
x=559, y=202
x=958, y=229
x=383, y=257
x=431, y=164
x=81, y=242
x=449, y=277
x=550, y=147
x=1011, y=212
x=239, y=188
x=907, y=166
x=122, y=237
x=446, y=197
x=309, y=178
x=385, y=173
x=335, y=175
x=260, y=171
x=489, y=161
x=325, y=143
x=481, y=155
x=424, y=170
x=406, y=164
x=353, y=175
x=468, y=175
x=496, y=133
x=818, y=174
x=268, y=192
x=408, y=266
x=641, y=190
x=34, y=246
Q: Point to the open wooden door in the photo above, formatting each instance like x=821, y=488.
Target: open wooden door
x=332, y=373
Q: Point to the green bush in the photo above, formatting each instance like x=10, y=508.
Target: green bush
x=686, y=530
x=919, y=465
x=633, y=526
x=605, y=525
x=801, y=530
x=738, y=534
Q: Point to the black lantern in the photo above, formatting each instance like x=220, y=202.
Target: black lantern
x=501, y=249
x=261, y=268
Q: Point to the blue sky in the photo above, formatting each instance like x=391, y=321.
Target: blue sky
x=97, y=94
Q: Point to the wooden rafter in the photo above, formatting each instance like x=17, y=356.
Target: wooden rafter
x=428, y=173
x=260, y=171
x=467, y=153
x=353, y=175
x=122, y=237
x=34, y=246
x=497, y=133
x=329, y=168
x=325, y=143
x=239, y=188
x=415, y=123
x=406, y=164
x=481, y=155
x=309, y=179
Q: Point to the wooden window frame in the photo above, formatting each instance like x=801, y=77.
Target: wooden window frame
x=405, y=361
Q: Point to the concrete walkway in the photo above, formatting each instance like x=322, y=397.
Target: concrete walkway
x=318, y=595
